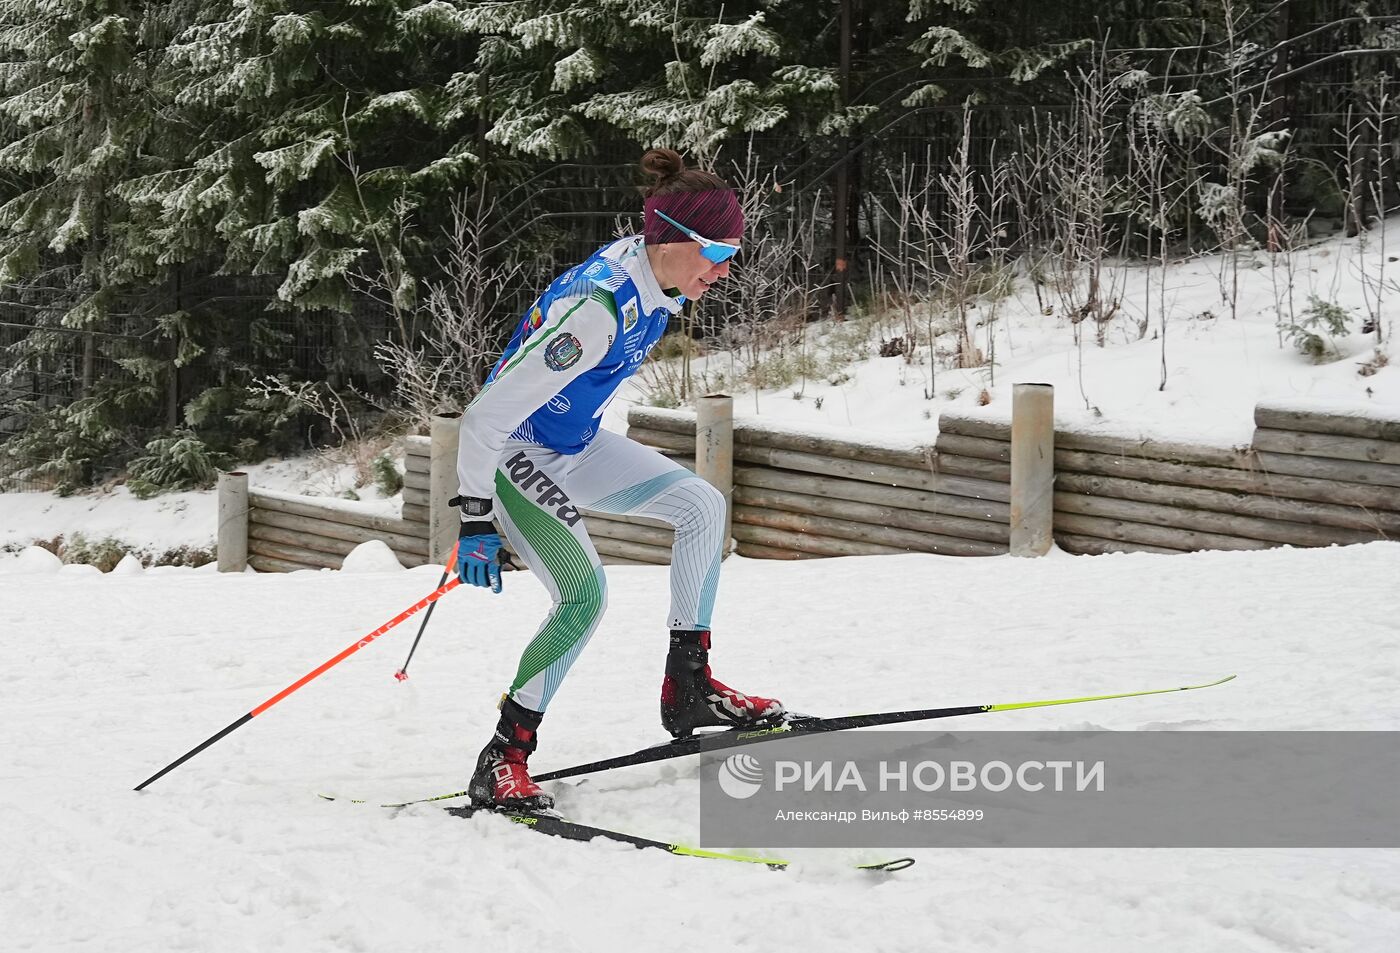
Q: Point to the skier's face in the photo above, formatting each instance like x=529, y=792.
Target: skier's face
x=689, y=271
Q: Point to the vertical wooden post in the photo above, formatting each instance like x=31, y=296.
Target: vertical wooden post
x=714, y=450
x=232, y=540
x=443, y=520
x=1032, y=468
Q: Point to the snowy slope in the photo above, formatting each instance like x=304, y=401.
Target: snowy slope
x=110, y=677
x=1217, y=367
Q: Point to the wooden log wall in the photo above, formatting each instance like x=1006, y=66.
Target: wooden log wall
x=415, y=482
x=799, y=495
x=1310, y=479
x=619, y=540
x=287, y=532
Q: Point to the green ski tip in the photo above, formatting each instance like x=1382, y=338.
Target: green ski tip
x=1013, y=706
x=555, y=825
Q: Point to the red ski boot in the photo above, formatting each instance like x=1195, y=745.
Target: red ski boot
x=501, y=781
x=691, y=697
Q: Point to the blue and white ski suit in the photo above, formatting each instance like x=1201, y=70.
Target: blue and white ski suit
x=533, y=441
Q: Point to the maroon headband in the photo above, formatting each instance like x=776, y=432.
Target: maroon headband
x=713, y=214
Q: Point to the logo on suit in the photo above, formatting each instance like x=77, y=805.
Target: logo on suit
x=563, y=352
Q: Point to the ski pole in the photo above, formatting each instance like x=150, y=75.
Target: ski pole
x=402, y=673
x=354, y=647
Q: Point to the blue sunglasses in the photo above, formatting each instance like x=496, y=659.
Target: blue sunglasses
x=712, y=250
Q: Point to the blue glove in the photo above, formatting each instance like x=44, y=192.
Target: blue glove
x=478, y=555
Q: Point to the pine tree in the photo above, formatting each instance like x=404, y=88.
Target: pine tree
x=553, y=77
x=326, y=126
x=70, y=96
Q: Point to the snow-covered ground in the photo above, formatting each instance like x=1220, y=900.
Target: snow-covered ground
x=171, y=520
x=110, y=677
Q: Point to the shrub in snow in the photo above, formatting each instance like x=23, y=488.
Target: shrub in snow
x=386, y=475
x=105, y=554
x=1378, y=360
x=178, y=462
x=1319, y=318
x=373, y=556
x=185, y=556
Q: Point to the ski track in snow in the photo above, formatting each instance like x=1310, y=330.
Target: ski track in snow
x=111, y=677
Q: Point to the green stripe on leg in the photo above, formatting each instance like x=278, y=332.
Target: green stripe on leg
x=580, y=587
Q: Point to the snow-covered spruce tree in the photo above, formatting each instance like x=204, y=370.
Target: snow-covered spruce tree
x=70, y=137
x=551, y=77
x=325, y=124
x=310, y=133
x=560, y=79
x=75, y=123
x=1022, y=42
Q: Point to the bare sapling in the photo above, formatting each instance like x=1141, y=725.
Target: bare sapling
x=1084, y=197
x=1286, y=238
x=1247, y=143
x=395, y=280
x=1148, y=161
x=911, y=261
x=996, y=189
x=901, y=260
x=1030, y=207
x=803, y=287
x=959, y=243
x=460, y=317
x=1163, y=179
x=746, y=307
x=1378, y=135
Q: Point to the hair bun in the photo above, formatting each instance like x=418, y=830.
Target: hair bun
x=667, y=173
x=662, y=164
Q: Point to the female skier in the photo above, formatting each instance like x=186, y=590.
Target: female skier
x=533, y=456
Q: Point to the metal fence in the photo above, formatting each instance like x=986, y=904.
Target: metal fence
x=44, y=365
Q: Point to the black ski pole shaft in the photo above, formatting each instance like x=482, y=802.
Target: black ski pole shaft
x=402, y=673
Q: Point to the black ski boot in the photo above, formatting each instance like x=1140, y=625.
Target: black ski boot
x=691, y=697
x=502, y=781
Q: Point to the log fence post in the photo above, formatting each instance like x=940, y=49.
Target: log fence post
x=1032, y=469
x=232, y=538
x=444, y=521
x=714, y=451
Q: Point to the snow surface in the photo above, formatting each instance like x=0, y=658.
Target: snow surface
x=111, y=677
x=172, y=520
